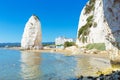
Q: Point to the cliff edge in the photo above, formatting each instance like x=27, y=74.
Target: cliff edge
x=100, y=23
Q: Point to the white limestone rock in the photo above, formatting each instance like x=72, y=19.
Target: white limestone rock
x=106, y=16
x=97, y=34
x=111, y=12
x=32, y=37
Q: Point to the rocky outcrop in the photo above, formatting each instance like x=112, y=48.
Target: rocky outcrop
x=100, y=23
x=111, y=13
x=91, y=28
x=114, y=75
x=31, y=38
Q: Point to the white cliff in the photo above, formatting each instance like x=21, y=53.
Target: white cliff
x=100, y=23
x=31, y=38
x=111, y=12
x=97, y=33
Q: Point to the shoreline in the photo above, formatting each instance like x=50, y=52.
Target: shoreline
x=65, y=52
x=102, y=55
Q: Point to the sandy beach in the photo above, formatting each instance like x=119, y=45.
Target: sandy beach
x=100, y=54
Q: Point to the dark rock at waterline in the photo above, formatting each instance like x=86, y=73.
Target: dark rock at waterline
x=115, y=75
x=90, y=77
x=118, y=73
x=115, y=62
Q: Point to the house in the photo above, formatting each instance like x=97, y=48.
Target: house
x=59, y=42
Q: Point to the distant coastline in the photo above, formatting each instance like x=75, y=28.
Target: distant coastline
x=17, y=44
x=67, y=52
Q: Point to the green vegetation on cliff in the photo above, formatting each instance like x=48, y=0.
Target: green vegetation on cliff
x=90, y=6
x=94, y=24
x=98, y=46
x=85, y=29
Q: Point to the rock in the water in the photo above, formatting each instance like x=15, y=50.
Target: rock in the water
x=31, y=38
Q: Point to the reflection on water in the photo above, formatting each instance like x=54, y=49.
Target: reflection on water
x=30, y=65
x=46, y=66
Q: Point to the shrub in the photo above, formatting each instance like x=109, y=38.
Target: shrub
x=98, y=46
x=92, y=2
x=95, y=24
x=90, y=6
x=87, y=9
x=85, y=30
x=90, y=18
x=68, y=44
x=83, y=38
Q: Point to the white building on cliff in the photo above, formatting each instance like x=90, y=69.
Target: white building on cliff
x=62, y=40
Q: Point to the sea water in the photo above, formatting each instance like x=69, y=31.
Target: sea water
x=22, y=65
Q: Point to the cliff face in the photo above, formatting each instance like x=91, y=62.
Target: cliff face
x=111, y=13
x=100, y=23
x=93, y=24
x=31, y=38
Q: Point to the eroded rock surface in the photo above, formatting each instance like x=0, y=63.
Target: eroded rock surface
x=100, y=23
x=31, y=38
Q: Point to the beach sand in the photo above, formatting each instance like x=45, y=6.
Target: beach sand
x=100, y=54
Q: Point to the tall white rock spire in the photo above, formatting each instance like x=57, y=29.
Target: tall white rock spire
x=32, y=37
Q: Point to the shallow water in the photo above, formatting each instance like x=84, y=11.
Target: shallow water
x=20, y=65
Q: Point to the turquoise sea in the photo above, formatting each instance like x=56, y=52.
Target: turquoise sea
x=22, y=65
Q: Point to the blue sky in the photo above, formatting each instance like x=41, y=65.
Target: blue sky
x=58, y=18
